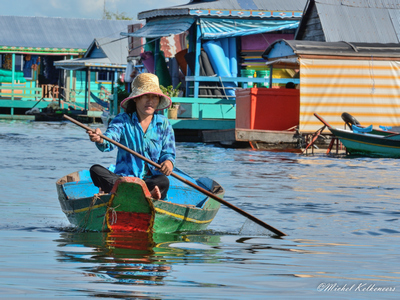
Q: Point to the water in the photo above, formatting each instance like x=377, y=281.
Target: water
x=341, y=216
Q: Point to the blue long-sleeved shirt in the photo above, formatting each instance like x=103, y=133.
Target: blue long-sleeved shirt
x=157, y=144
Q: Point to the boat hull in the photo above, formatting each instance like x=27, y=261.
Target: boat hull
x=368, y=144
x=130, y=208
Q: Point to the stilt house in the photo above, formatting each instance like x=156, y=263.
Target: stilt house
x=29, y=46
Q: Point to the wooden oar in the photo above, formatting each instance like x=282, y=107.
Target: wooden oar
x=200, y=189
x=322, y=120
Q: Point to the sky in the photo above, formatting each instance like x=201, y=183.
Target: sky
x=82, y=9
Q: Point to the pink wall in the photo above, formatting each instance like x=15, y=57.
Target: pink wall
x=263, y=40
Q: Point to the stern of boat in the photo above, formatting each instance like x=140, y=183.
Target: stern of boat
x=128, y=207
x=131, y=208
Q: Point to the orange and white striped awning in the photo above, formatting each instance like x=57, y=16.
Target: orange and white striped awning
x=366, y=88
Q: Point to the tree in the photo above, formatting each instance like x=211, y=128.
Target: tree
x=109, y=15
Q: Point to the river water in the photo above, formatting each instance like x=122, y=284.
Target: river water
x=341, y=216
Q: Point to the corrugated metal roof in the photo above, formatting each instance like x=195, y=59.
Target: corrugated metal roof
x=115, y=49
x=92, y=63
x=338, y=49
x=56, y=32
x=253, y=5
x=374, y=21
x=390, y=4
x=115, y=55
x=289, y=5
x=297, y=5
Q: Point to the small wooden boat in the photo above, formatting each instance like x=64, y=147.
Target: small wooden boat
x=130, y=208
x=366, y=141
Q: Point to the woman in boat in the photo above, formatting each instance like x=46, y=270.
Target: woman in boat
x=143, y=131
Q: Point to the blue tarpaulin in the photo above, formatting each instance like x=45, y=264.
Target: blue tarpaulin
x=212, y=28
x=163, y=27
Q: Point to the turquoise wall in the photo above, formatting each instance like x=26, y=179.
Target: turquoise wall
x=95, y=88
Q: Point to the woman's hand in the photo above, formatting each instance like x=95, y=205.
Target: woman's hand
x=95, y=136
x=167, y=167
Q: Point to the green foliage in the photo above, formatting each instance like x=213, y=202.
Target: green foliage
x=170, y=91
x=121, y=92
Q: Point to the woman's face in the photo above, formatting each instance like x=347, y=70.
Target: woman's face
x=146, y=105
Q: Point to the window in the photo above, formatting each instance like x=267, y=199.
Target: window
x=6, y=61
x=18, y=62
x=26, y=66
x=103, y=76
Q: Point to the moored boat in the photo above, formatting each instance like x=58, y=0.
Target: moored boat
x=366, y=141
x=130, y=208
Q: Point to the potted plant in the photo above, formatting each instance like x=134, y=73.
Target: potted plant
x=171, y=92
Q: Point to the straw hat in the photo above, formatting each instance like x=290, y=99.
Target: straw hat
x=147, y=83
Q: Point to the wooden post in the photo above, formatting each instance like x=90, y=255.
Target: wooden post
x=88, y=89
x=86, y=86
x=56, y=89
x=34, y=82
x=71, y=75
x=197, y=60
x=270, y=76
x=12, y=82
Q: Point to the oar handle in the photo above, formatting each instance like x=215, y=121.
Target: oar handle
x=113, y=142
x=200, y=189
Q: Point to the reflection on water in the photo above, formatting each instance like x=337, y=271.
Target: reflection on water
x=133, y=258
x=199, y=263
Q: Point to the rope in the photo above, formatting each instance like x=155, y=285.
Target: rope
x=86, y=219
x=114, y=217
x=223, y=87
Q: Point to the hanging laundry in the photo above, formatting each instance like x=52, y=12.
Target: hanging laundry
x=7, y=61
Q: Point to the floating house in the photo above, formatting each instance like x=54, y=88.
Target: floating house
x=105, y=58
x=348, y=56
x=219, y=52
x=362, y=79
x=29, y=47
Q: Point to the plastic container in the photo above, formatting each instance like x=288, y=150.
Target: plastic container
x=267, y=109
x=248, y=74
x=263, y=74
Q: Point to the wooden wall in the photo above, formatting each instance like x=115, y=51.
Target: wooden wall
x=311, y=28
